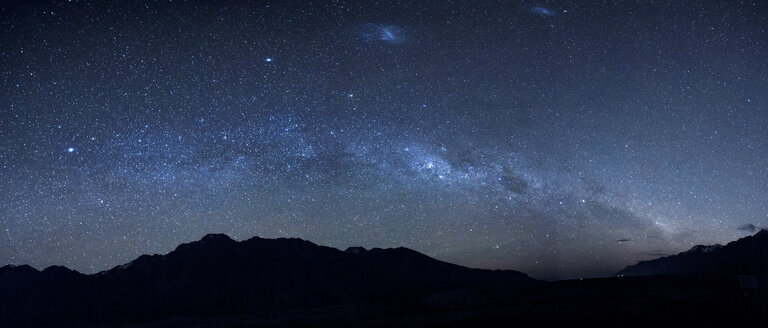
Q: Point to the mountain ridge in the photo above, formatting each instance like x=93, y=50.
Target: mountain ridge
x=218, y=276
x=745, y=256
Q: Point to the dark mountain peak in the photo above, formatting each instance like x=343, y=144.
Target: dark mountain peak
x=54, y=268
x=216, y=238
x=357, y=250
x=253, y=239
x=278, y=243
x=763, y=234
x=291, y=239
x=210, y=240
x=17, y=268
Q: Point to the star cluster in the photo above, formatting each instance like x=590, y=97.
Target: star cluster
x=555, y=138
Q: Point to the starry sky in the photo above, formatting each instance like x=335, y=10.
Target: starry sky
x=560, y=138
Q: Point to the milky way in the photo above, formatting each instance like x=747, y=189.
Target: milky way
x=562, y=145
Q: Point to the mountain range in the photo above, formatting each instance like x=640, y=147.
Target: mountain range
x=219, y=282
x=217, y=276
x=747, y=256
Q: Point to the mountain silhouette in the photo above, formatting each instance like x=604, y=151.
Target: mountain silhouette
x=219, y=282
x=217, y=276
x=746, y=256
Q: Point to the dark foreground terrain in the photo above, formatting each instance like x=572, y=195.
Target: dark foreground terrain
x=218, y=282
x=611, y=302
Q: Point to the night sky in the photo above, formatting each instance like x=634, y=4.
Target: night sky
x=560, y=138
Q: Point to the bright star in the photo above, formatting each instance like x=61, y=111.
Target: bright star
x=70, y=149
